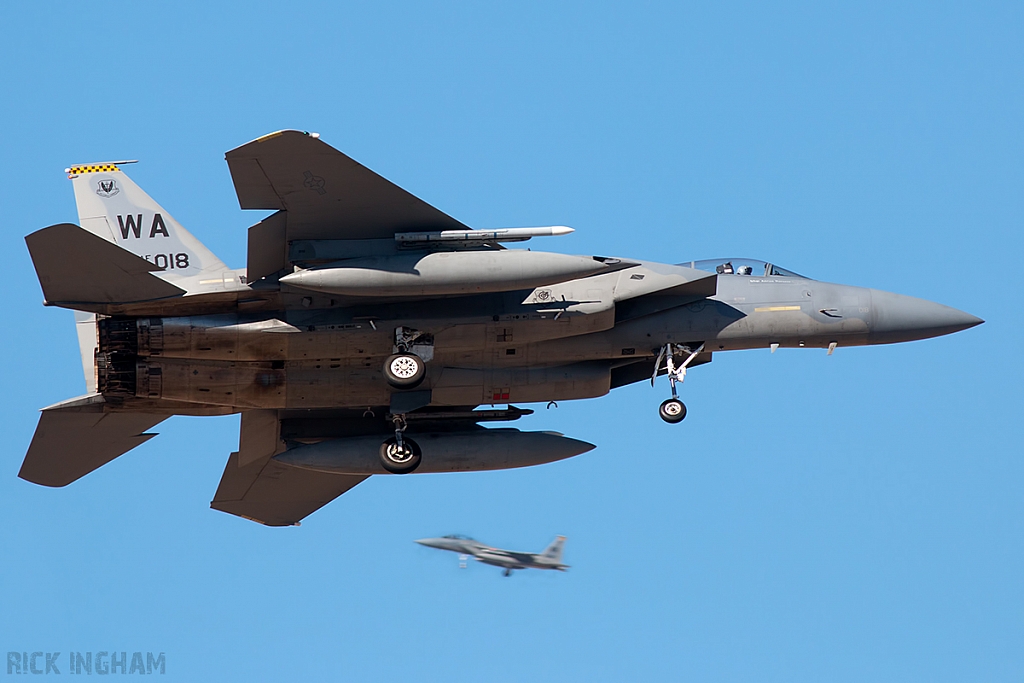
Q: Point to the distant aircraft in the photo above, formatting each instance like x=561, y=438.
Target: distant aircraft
x=368, y=328
x=549, y=558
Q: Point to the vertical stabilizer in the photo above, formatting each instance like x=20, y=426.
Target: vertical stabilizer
x=554, y=551
x=113, y=207
x=85, y=326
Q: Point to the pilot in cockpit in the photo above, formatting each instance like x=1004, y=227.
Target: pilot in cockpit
x=744, y=270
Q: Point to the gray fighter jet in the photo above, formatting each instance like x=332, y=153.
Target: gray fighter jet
x=370, y=333
x=549, y=558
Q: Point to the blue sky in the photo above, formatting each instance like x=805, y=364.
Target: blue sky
x=850, y=518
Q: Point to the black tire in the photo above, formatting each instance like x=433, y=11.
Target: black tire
x=672, y=411
x=404, y=370
x=398, y=462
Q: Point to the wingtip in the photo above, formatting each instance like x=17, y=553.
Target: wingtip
x=277, y=133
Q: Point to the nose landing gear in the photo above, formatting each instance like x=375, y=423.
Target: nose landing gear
x=673, y=410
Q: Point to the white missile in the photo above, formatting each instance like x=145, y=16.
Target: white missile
x=497, y=235
x=445, y=273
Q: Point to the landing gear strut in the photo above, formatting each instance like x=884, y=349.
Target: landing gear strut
x=673, y=410
x=400, y=454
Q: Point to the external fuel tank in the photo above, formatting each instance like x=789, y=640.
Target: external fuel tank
x=444, y=273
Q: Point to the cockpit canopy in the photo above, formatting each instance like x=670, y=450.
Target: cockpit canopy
x=740, y=266
x=458, y=537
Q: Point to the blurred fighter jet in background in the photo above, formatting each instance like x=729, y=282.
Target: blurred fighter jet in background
x=549, y=558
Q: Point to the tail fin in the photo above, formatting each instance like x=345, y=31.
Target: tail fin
x=113, y=207
x=85, y=327
x=554, y=551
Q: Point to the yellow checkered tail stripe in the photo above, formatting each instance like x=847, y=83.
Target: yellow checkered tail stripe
x=94, y=168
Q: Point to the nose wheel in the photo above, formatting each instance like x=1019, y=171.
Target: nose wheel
x=673, y=410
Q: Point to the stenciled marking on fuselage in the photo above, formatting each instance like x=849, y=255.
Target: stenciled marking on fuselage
x=178, y=261
x=775, y=309
x=131, y=226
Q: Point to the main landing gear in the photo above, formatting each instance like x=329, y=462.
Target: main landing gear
x=673, y=410
x=406, y=368
x=400, y=454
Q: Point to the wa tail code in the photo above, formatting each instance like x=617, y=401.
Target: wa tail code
x=132, y=225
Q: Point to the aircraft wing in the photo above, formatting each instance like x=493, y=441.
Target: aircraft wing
x=326, y=194
x=275, y=494
x=522, y=558
x=264, y=490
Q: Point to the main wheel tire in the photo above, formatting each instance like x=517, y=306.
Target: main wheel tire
x=404, y=370
x=400, y=460
x=672, y=411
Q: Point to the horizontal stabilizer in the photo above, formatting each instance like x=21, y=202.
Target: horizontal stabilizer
x=327, y=195
x=69, y=443
x=75, y=266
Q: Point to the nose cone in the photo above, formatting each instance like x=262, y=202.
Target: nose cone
x=306, y=279
x=898, y=318
x=433, y=542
